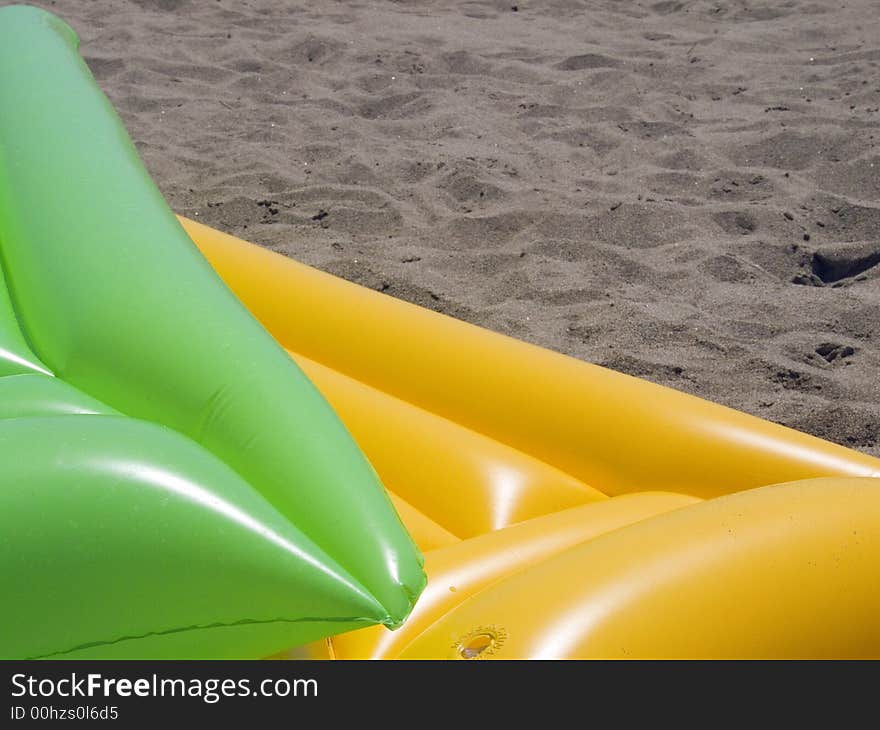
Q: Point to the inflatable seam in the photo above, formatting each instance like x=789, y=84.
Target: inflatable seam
x=199, y=627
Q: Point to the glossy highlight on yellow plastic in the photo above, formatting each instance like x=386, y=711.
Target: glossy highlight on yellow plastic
x=476, y=483
x=464, y=569
x=782, y=571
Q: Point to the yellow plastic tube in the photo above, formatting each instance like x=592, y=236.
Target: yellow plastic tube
x=459, y=571
x=426, y=533
x=464, y=481
x=616, y=433
x=782, y=571
x=443, y=408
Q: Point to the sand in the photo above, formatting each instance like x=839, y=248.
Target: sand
x=686, y=191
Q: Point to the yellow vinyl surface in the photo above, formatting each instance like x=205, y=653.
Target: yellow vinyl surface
x=560, y=504
x=783, y=571
x=465, y=568
x=470, y=482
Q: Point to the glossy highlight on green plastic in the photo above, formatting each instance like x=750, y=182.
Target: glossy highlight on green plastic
x=171, y=484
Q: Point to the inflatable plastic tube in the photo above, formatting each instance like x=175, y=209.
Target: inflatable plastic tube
x=105, y=291
x=784, y=571
x=464, y=569
x=470, y=483
x=37, y=395
x=611, y=431
x=428, y=535
x=144, y=545
x=15, y=355
x=514, y=612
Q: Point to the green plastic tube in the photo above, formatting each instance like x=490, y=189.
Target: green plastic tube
x=36, y=395
x=15, y=355
x=116, y=531
x=105, y=292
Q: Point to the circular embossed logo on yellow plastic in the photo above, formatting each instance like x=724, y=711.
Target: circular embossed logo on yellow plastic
x=481, y=643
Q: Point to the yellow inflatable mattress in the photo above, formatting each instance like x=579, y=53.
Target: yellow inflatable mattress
x=566, y=510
